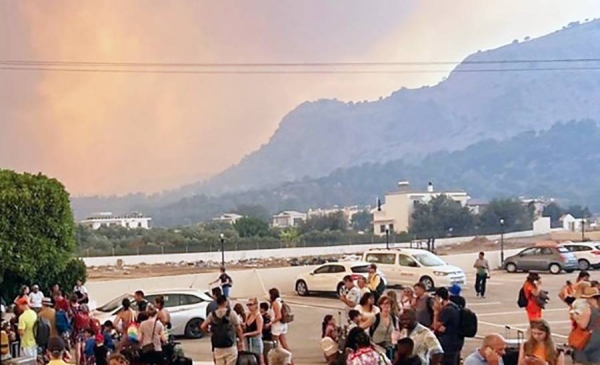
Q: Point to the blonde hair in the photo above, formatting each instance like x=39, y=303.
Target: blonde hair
x=394, y=302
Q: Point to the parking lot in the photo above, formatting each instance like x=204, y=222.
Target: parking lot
x=496, y=311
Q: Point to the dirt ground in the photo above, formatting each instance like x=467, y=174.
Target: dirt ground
x=144, y=270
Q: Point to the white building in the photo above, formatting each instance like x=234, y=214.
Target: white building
x=288, y=219
x=133, y=220
x=571, y=223
x=396, y=213
x=229, y=218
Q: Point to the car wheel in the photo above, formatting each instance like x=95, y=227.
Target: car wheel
x=192, y=328
x=427, y=282
x=301, y=288
x=340, y=289
x=555, y=269
x=583, y=264
x=511, y=268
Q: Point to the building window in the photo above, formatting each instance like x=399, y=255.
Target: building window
x=382, y=228
x=391, y=228
x=139, y=224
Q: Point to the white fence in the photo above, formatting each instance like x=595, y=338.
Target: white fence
x=232, y=256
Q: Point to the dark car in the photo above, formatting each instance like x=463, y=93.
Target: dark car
x=547, y=258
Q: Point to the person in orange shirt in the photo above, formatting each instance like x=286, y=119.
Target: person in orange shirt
x=532, y=288
x=540, y=349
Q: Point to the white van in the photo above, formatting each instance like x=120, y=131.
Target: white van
x=407, y=267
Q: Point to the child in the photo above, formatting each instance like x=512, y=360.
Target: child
x=107, y=331
x=328, y=328
x=100, y=351
x=355, y=318
x=88, y=342
x=404, y=353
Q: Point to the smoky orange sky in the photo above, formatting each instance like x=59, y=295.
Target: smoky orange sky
x=104, y=133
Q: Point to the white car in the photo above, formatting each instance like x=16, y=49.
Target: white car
x=328, y=278
x=410, y=266
x=186, y=306
x=587, y=253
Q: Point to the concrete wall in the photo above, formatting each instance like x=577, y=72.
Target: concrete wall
x=272, y=253
x=542, y=226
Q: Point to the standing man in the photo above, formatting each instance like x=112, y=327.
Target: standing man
x=352, y=294
x=375, y=282
x=423, y=305
x=447, y=327
x=140, y=301
x=483, y=273
x=362, y=285
x=81, y=292
x=427, y=346
x=225, y=282
x=27, y=321
x=49, y=314
x=226, y=333
x=35, y=298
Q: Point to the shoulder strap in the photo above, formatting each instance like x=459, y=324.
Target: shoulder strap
x=375, y=324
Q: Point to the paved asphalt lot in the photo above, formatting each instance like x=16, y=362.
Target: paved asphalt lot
x=494, y=312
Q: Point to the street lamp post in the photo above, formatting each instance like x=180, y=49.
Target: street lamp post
x=502, y=241
x=222, y=236
x=582, y=229
x=387, y=237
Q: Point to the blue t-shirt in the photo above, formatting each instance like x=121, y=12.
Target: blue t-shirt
x=477, y=359
x=89, y=347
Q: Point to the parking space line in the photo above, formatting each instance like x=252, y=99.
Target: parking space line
x=517, y=312
x=520, y=329
x=482, y=304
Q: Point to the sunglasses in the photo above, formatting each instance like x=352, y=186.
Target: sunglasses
x=250, y=304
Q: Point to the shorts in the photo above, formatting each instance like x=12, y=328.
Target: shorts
x=227, y=356
x=279, y=328
x=29, y=352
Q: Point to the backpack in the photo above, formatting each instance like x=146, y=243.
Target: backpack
x=132, y=332
x=41, y=331
x=430, y=302
x=468, y=323
x=247, y=358
x=522, y=301
x=62, y=322
x=373, y=327
x=380, y=287
x=223, y=333
x=287, y=316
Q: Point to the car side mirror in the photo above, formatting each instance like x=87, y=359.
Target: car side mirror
x=312, y=273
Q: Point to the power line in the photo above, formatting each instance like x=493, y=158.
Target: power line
x=275, y=72
x=289, y=64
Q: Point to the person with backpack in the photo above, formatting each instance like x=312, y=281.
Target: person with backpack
x=384, y=325
x=49, y=314
x=375, y=282
x=27, y=322
x=226, y=333
x=281, y=317
x=423, y=305
x=447, y=326
x=531, y=289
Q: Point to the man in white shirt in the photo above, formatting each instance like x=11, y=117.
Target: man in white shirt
x=35, y=298
x=362, y=285
x=352, y=296
x=81, y=292
x=490, y=353
x=427, y=346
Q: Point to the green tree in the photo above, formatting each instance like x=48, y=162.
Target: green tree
x=253, y=210
x=290, y=237
x=362, y=221
x=331, y=222
x=251, y=227
x=554, y=212
x=37, y=239
x=441, y=217
x=577, y=211
x=512, y=212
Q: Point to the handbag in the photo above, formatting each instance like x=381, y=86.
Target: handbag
x=149, y=347
x=579, y=337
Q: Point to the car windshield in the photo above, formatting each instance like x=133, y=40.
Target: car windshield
x=428, y=259
x=563, y=250
x=598, y=247
x=360, y=269
x=112, y=305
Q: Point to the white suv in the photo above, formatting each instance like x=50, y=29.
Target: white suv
x=410, y=266
x=587, y=254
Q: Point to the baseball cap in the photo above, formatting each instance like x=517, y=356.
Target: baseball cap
x=454, y=289
x=56, y=345
x=99, y=337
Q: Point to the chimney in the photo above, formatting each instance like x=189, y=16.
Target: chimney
x=403, y=185
x=430, y=187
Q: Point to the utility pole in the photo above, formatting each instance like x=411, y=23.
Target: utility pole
x=502, y=241
x=222, y=250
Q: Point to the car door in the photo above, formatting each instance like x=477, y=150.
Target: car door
x=527, y=258
x=408, y=270
x=172, y=304
x=337, y=276
x=189, y=307
x=318, y=278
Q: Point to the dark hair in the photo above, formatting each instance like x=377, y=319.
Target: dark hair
x=239, y=309
x=89, y=330
x=108, y=323
x=347, y=278
x=420, y=285
x=223, y=269
x=273, y=294
x=365, y=298
x=160, y=301
x=353, y=313
x=216, y=291
x=325, y=323
x=373, y=266
x=140, y=293
x=442, y=293
x=351, y=338
x=126, y=303
x=264, y=306
x=583, y=274
x=533, y=276
x=407, y=342
x=73, y=298
x=481, y=253
x=142, y=316
x=221, y=299
x=362, y=340
x=594, y=283
x=23, y=290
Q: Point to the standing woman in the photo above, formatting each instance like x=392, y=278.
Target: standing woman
x=368, y=310
x=540, y=348
x=124, y=319
x=395, y=303
x=151, y=335
x=278, y=328
x=164, y=316
x=254, y=329
x=589, y=319
x=532, y=288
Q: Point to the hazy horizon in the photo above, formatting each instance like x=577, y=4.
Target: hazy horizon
x=104, y=134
